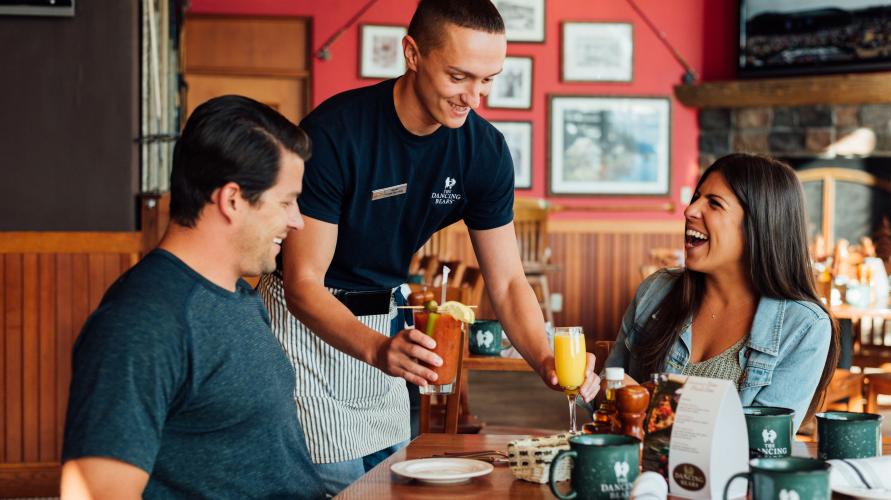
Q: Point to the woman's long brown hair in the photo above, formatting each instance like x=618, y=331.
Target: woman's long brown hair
x=776, y=258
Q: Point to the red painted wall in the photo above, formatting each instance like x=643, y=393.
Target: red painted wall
x=701, y=30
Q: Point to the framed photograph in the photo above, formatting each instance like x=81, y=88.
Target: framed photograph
x=518, y=136
x=524, y=20
x=380, y=51
x=513, y=87
x=813, y=37
x=609, y=145
x=597, y=52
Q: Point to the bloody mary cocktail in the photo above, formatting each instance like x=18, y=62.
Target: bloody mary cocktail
x=446, y=331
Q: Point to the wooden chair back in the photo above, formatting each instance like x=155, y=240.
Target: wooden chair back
x=601, y=350
x=456, y=272
x=437, y=245
x=473, y=280
x=427, y=267
x=531, y=226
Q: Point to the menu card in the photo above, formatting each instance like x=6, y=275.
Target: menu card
x=709, y=442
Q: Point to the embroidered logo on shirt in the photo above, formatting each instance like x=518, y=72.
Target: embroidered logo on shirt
x=446, y=197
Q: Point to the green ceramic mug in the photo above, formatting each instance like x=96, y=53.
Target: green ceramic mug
x=770, y=431
x=787, y=478
x=844, y=434
x=486, y=337
x=604, y=467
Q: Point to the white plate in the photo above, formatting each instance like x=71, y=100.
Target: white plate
x=442, y=470
x=863, y=492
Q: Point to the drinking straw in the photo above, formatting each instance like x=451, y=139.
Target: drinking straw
x=445, y=281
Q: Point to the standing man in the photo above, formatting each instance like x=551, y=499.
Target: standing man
x=179, y=389
x=393, y=163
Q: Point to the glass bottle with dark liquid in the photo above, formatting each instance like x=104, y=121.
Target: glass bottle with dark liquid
x=606, y=418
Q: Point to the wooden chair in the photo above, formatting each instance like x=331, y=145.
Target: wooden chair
x=429, y=409
x=51, y=281
x=426, y=261
x=427, y=266
x=601, y=351
x=456, y=272
x=844, y=392
x=531, y=226
x=876, y=383
x=472, y=279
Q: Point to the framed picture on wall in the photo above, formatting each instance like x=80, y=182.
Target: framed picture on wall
x=609, y=145
x=524, y=20
x=380, y=51
x=512, y=88
x=597, y=52
x=518, y=136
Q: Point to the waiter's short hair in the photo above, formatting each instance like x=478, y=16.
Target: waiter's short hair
x=431, y=15
x=229, y=139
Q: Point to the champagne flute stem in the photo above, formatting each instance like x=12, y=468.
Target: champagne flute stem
x=570, y=396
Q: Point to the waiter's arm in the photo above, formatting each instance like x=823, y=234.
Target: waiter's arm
x=306, y=255
x=516, y=305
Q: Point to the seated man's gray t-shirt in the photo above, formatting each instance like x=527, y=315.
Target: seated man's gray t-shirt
x=184, y=380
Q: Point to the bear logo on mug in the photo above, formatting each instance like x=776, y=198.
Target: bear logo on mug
x=485, y=338
x=789, y=495
x=769, y=436
x=621, y=469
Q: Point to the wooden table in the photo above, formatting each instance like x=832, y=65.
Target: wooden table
x=848, y=312
x=495, y=364
x=380, y=483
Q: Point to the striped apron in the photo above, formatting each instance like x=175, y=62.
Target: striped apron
x=348, y=408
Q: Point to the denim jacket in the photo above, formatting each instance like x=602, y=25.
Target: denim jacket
x=782, y=359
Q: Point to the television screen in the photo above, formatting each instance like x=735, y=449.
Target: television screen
x=63, y=8
x=813, y=36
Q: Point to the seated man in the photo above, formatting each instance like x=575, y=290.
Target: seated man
x=179, y=388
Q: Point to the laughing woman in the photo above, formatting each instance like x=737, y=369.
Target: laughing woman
x=744, y=307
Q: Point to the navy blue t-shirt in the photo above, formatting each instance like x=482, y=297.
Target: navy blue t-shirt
x=185, y=380
x=360, y=146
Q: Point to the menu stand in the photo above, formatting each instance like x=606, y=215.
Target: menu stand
x=709, y=442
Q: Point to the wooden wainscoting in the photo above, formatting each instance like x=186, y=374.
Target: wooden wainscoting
x=599, y=266
x=49, y=283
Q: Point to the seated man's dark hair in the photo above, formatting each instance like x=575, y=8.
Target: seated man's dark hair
x=431, y=16
x=229, y=139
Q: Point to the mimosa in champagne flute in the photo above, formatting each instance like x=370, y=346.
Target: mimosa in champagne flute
x=570, y=360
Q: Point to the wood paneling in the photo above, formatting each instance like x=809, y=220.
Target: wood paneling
x=281, y=94
x=599, y=267
x=50, y=282
x=262, y=45
x=265, y=58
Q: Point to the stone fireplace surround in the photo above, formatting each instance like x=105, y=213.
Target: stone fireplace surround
x=807, y=131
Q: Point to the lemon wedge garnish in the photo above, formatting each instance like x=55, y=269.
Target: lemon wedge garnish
x=458, y=311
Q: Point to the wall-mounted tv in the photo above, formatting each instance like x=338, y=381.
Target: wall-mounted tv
x=794, y=37
x=62, y=8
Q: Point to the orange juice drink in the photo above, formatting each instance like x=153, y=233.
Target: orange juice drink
x=570, y=359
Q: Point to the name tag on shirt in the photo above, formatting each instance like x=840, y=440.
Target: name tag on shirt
x=387, y=192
